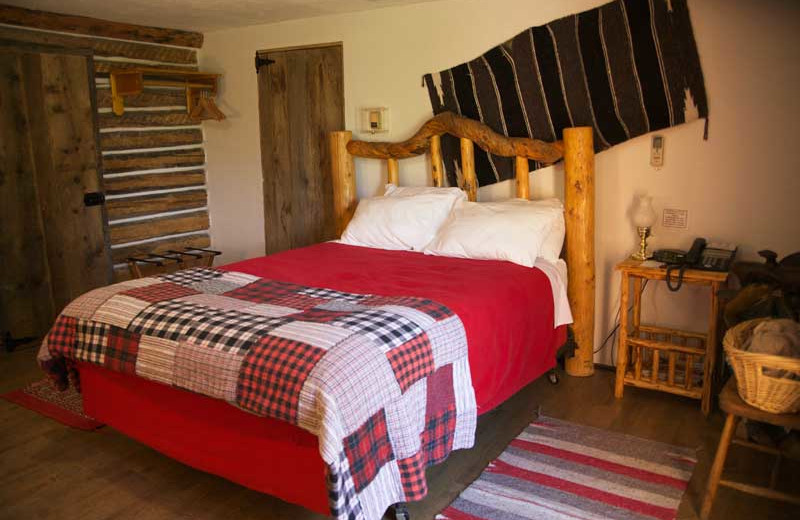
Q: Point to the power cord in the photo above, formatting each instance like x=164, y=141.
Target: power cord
x=614, y=330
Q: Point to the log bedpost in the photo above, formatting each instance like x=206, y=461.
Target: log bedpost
x=579, y=215
x=343, y=175
x=393, y=167
x=523, y=177
x=437, y=167
x=468, y=169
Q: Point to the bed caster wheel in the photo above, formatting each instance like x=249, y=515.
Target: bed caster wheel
x=552, y=376
x=400, y=512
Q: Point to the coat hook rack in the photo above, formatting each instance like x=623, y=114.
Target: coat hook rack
x=201, y=88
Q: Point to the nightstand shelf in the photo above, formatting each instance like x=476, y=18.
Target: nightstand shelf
x=666, y=360
x=660, y=358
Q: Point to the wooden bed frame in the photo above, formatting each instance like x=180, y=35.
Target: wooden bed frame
x=244, y=441
x=578, y=153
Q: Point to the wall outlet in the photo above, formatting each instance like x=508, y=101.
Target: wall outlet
x=675, y=218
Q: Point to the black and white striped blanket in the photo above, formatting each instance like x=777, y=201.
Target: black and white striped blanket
x=625, y=68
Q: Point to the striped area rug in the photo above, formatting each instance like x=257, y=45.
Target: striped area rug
x=65, y=407
x=559, y=470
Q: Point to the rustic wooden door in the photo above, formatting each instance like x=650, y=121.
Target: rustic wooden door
x=301, y=99
x=53, y=247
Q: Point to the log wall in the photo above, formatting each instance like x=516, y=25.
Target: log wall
x=153, y=160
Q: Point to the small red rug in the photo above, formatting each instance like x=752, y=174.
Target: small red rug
x=557, y=470
x=65, y=407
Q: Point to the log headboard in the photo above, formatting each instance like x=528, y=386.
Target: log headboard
x=578, y=153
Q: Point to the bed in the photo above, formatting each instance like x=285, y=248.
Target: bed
x=509, y=314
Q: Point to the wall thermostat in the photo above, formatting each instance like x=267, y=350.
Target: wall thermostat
x=657, y=151
x=375, y=120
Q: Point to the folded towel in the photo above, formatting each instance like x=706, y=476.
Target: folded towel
x=780, y=337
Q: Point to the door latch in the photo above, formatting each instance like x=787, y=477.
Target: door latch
x=94, y=198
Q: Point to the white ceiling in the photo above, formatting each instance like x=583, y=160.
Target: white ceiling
x=204, y=15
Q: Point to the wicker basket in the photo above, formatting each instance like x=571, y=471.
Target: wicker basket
x=771, y=394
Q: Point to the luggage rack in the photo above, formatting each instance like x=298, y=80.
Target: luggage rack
x=170, y=260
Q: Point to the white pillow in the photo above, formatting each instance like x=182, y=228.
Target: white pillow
x=412, y=191
x=554, y=241
x=401, y=222
x=510, y=230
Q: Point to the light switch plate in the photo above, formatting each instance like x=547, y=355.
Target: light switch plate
x=375, y=120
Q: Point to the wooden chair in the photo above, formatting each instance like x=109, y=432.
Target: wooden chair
x=736, y=408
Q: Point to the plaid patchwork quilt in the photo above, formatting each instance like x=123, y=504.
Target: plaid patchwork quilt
x=383, y=382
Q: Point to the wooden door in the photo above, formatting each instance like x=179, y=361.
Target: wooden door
x=301, y=99
x=52, y=246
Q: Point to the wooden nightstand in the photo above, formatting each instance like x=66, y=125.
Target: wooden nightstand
x=660, y=358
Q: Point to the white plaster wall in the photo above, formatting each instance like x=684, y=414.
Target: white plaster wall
x=742, y=185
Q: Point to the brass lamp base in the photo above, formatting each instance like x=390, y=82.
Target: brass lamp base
x=641, y=254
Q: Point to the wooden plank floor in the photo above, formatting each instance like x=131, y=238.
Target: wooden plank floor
x=49, y=471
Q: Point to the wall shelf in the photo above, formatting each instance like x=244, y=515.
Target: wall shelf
x=201, y=87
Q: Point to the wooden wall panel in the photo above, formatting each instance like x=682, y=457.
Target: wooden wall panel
x=166, y=142
x=154, y=181
x=300, y=100
x=273, y=106
x=142, y=230
x=26, y=306
x=123, y=162
x=103, y=46
x=155, y=97
x=324, y=79
x=103, y=67
x=58, y=99
x=105, y=28
x=152, y=156
x=111, y=141
x=148, y=204
x=131, y=119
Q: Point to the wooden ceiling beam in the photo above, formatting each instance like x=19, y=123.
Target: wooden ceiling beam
x=94, y=27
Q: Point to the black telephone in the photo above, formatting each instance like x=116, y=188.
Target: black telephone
x=701, y=256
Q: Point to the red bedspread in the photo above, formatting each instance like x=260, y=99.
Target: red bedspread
x=506, y=309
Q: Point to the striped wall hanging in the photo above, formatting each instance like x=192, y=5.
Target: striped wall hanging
x=625, y=68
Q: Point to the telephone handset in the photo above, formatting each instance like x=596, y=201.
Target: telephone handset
x=693, y=256
x=701, y=256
